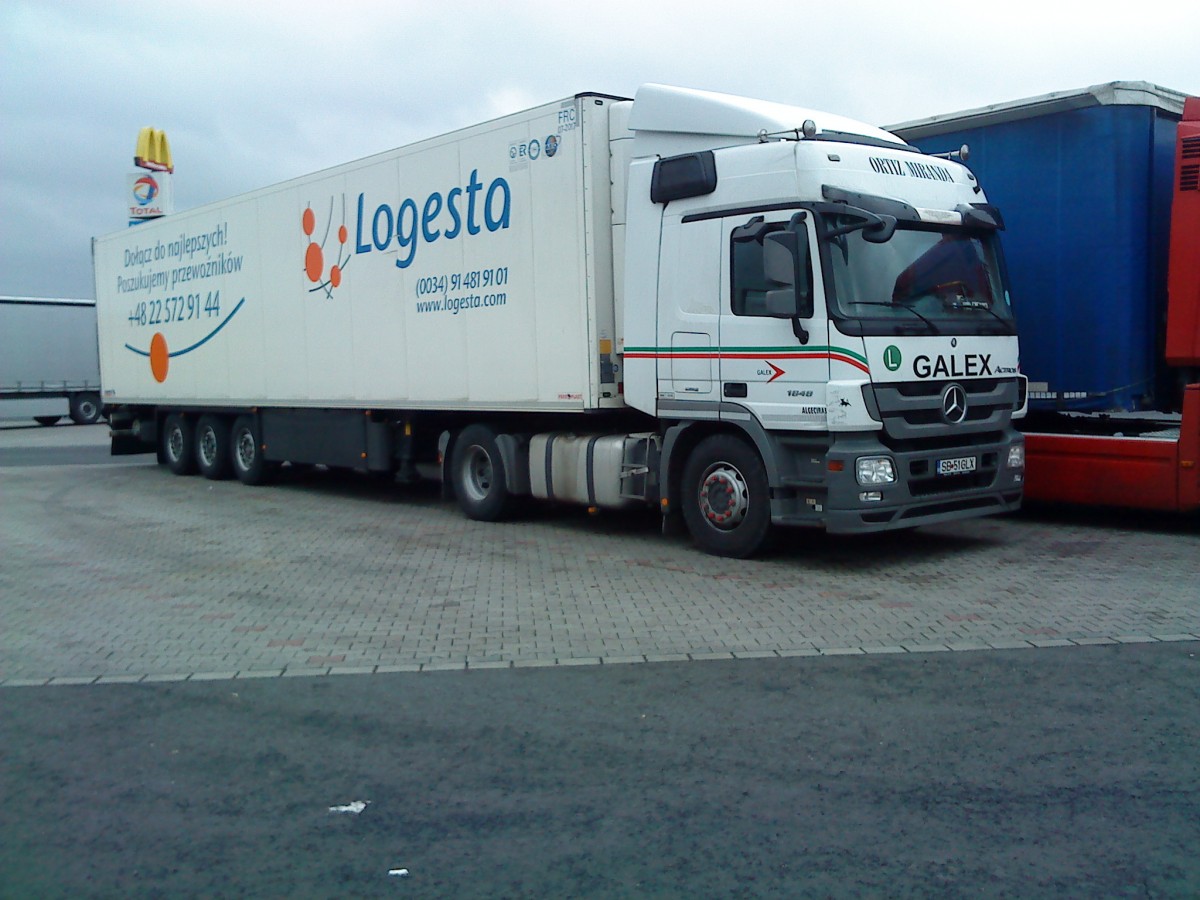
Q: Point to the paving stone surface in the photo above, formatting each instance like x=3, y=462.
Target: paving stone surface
x=118, y=570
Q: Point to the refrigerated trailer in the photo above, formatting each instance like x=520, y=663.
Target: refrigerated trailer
x=742, y=313
x=49, y=362
x=1101, y=191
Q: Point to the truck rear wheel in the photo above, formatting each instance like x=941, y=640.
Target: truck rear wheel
x=213, y=455
x=179, y=444
x=85, y=409
x=245, y=450
x=726, y=497
x=477, y=473
x=47, y=420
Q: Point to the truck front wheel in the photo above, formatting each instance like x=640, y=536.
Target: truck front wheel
x=245, y=448
x=726, y=497
x=178, y=444
x=477, y=473
x=213, y=455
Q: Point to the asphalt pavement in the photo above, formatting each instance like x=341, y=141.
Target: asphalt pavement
x=1033, y=773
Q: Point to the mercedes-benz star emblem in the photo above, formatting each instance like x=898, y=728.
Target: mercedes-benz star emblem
x=954, y=404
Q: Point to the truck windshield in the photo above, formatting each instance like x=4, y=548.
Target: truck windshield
x=940, y=280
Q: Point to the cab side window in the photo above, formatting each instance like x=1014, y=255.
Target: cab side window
x=749, y=281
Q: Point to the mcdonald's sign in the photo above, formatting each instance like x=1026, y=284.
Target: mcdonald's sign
x=153, y=152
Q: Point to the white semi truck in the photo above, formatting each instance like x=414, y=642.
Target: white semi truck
x=742, y=313
x=49, y=362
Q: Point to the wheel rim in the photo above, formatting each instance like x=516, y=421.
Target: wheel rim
x=175, y=444
x=477, y=473
x=87, y=409
x=245, y=449
x=724, y=496
x=208, y=446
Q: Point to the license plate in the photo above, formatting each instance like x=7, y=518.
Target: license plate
x=957, y=466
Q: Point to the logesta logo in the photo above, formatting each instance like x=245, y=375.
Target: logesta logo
x=314, y=252
x=441, y=216
x=145, y=189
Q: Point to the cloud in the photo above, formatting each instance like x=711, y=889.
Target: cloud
x=251, y=93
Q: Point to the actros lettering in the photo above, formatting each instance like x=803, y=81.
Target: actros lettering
x=438, y=216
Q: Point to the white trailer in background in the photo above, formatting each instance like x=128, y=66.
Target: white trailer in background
x=745, y=313
x=49, y=360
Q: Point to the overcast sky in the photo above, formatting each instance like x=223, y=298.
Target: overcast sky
x=251, y=92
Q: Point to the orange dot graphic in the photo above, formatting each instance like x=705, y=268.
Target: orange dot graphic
x=343, y=235
x=335, y=276
x=314, y=262
x=308, y=221
x=159, y=357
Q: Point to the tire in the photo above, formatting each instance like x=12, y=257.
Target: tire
x=213, y=456
x=179, y=444
x=85, y=409
x=478, y=475
x=47, y=420
x=246, y=453
x=726, y=497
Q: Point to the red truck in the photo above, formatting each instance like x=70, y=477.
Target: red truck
x=1144, y=462
x=1103, y=249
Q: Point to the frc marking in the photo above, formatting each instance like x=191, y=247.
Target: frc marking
x=969, y=365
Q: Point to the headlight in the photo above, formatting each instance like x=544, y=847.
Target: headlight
x=875, y=470
x=1016, y=457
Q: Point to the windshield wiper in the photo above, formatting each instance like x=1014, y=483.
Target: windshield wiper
x=929, y=322
x=985, y=307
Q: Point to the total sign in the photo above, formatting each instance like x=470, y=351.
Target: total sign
x=941, y=358
x=149, y=195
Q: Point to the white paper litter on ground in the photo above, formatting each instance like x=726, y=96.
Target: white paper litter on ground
x=352, y=808
x=402, y=873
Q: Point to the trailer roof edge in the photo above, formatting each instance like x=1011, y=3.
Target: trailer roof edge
x=1114, y=93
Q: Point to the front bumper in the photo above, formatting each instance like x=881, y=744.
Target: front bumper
x=919, y=495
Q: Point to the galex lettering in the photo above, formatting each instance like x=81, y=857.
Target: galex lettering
x=439, y=217
x=970, y=365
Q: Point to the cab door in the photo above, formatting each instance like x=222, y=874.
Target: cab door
x=773, y=363
x=688, y=309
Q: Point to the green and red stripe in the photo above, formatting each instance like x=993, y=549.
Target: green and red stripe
x=836, y=354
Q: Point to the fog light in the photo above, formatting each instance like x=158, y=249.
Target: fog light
x=1016, y=457
x=871, y=496
x=875, y=470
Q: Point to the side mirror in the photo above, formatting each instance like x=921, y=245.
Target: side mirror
x=880, y=232
x=782, y=304
x=785, y=262
x=780, y=250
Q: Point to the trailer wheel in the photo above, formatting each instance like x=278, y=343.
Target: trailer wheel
x=245, y=451
x=477, y=473
x=85, y=409
x=213, y=456
x=179, y=444
x=726, y=497
x=47, y=420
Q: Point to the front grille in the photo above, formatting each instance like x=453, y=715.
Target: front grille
x=911, y=411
